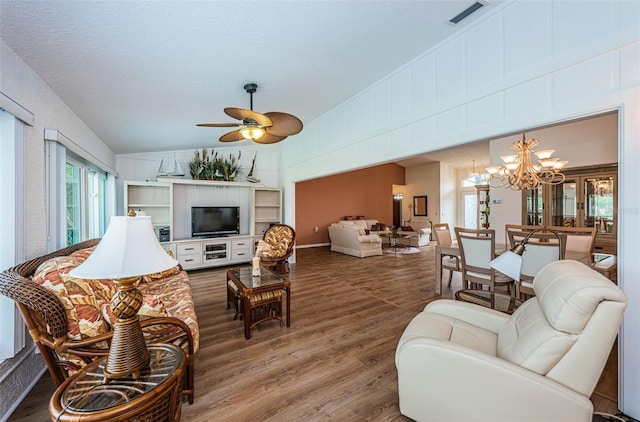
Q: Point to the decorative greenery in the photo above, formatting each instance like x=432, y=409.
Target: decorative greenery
x=210, y=166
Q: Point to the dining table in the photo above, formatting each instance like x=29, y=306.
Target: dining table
x=605, y=264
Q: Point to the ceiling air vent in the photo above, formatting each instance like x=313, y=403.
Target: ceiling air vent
x=466, y=12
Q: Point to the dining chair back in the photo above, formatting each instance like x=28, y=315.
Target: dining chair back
x=477, y=250
x=442, y=234
x=450, y=262
x=579, y=241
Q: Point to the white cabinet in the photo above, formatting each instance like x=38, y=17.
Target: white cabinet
x=203, y=253
x=169, y=205
x=267, y=209
x=154, y=199
x=241, y=249
x=189, y=254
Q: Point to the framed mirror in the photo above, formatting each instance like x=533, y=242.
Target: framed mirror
x=420, y=206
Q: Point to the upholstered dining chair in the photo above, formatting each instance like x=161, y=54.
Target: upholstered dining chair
x=477, y=250
x=279, y=239
x=450, y=262
x=540, y=250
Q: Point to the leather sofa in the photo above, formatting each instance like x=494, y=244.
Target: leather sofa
x=351, y=238
x=459, y=361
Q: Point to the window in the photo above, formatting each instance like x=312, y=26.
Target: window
x=80, y=198
x=12, y=330
x=73, y=183
x=86, y=200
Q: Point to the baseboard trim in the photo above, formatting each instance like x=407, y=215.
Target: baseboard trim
x=313, y=245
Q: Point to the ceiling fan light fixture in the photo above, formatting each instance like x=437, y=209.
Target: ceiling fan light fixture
x=252, y=132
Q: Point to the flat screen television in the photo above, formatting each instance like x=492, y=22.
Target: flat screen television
x=214, y=221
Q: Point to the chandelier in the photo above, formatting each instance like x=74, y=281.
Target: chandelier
x=518, y=172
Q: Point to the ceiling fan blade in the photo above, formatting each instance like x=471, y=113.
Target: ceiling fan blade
x=284, y=124
x=232, y=136
x=268, y=138
x=243, y=114
x=219, y=124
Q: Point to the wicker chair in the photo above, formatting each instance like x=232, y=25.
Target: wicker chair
x=280, y=238
x=46, y=321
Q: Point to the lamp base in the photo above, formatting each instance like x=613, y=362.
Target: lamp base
x=128, y=353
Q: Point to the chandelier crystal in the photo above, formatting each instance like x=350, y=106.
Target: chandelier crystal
x=518, y=172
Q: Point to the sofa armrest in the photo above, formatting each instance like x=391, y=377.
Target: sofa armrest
x=427, y=368
x=485, y=318
x=369, y=238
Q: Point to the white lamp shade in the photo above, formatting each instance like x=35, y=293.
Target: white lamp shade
x=509, y=264
x=129, y=248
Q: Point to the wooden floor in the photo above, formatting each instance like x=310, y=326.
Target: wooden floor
x=336, y=361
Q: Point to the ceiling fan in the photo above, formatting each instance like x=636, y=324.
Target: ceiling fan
x=267, y=128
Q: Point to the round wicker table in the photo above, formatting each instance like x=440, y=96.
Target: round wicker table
x=155, y=395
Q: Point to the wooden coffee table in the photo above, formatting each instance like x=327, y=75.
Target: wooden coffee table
x=498, y=301
x=262, y=294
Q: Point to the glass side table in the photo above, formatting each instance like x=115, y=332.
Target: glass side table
x=498, y=301
x=155, y=395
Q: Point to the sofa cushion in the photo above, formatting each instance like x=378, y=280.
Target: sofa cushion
x=87, y=302
x=82, y=299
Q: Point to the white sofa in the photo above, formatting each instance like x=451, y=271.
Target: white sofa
x=459, y=361
x=367, y=224
x=419, y=236
x=350, y=237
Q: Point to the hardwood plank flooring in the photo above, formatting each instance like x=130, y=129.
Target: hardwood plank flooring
x=336, y=361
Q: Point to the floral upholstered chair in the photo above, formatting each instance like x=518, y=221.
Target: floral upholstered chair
x=276, y=246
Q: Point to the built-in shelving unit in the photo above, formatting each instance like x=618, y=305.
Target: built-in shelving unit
x=169, y=203
x=267, y=209
x=154, y=199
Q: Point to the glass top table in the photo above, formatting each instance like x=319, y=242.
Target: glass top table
x=250, y=288
x=155, y=394
x=498, y=301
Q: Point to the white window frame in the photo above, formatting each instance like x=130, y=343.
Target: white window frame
x=12, y=144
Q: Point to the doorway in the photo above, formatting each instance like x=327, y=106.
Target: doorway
x=397, y=210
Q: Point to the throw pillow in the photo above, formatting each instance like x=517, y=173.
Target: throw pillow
x=79, y=298
x=406, y=228
x=375, y=227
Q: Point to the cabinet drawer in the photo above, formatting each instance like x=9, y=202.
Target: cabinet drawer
x=241, y=254
x=241, y=244
x=189, y=261
x=189, y=248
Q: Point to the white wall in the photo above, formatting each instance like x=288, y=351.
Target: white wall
x=527, y=64
x=584, y=143
x=22, y=85
x=419, y=181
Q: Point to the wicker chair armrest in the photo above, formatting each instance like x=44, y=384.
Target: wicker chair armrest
x=186, y=331
x=38, y=299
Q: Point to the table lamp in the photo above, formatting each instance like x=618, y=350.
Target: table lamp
x=128, y=250
x=510, y=262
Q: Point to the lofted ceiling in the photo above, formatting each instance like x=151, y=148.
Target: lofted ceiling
x=141, y=74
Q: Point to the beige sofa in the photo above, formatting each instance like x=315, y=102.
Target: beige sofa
x=420, y=235
x=540, y=364
x=351, y=238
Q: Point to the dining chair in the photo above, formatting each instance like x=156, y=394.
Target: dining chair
x=450, y=262
x=579, y=240
x=540, y=250
x=477, y=250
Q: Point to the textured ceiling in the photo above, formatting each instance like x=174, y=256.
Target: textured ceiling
x=141, y=74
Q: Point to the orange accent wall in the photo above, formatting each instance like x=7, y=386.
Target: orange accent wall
x=320, y=202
